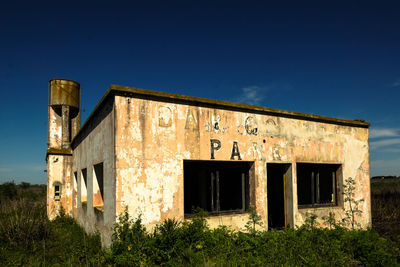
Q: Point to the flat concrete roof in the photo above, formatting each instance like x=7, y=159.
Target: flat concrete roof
x=199, y=101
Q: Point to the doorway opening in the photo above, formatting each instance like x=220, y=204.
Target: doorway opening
x=277, y=178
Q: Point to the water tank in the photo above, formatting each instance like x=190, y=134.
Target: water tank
x=64, y=92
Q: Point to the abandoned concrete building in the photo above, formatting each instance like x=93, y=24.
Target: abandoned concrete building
x=161, y=154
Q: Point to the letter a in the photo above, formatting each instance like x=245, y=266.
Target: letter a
x=235, y=151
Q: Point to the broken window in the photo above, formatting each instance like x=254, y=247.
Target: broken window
x=217, y=186
x=84, y=187
x=57, y=192
x=98, y=188
x=316, y=184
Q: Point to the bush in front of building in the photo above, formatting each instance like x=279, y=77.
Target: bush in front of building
x=192, y=242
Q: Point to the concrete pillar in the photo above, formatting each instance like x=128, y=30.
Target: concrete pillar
x=65, y=126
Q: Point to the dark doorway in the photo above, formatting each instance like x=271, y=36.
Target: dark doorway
x=276, y=176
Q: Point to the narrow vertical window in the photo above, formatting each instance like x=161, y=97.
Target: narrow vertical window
x=98, y=186
x=75, y=181
x=84, y=187
x=57, y=192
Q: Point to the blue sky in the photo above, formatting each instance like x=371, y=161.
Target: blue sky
x=339, y=59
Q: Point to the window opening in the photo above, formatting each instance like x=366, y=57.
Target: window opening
x=217, y=186
x=84, y=187
x=98, y=186
x=75, y=181
x=57, y=192
x=317, y=184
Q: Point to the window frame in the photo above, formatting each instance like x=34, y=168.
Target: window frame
x=315, y=185
x=214, y=169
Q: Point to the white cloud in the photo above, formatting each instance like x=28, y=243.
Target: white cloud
x=384, y=132
x=252, y=95
x=255, y=94
x=382, y=143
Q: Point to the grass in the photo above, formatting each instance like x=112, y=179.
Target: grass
x=192, y=243
x=27, y=238
x=385, y=203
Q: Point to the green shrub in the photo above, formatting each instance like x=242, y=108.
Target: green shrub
x=192, y=243
x=31, y=240
x=24, y=185
x=69, y=243
x=254, y=220
x=8, y=191
x=130, y=245
x=369, y=248
x=166, y=241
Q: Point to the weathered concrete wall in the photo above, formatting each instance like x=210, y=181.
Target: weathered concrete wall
x=55, y=129
x=59, y=162
x=59, y=169
x=96, y=147
x=154, y=137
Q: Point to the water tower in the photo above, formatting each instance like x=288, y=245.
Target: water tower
x=64, y=103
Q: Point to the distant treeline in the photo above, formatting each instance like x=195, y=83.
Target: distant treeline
x=12, y=191
x=385, y=177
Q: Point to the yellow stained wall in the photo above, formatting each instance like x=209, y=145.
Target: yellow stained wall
x=152, y=138
x=55, y=129
x=59, y=169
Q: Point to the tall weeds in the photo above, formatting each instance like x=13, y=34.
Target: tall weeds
x=22, y=222
x=385, y=203
x=27, y=238
x=193, y=243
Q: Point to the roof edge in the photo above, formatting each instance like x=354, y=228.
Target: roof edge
x=223, y=103
x=219, y=103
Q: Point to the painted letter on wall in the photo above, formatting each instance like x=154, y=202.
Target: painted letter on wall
x=215, y=145
x=235, y=151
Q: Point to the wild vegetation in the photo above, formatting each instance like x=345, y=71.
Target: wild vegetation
x=28, y=238
x=385, y=203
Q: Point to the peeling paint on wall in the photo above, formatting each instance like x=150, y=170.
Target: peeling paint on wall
x=143, y=142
